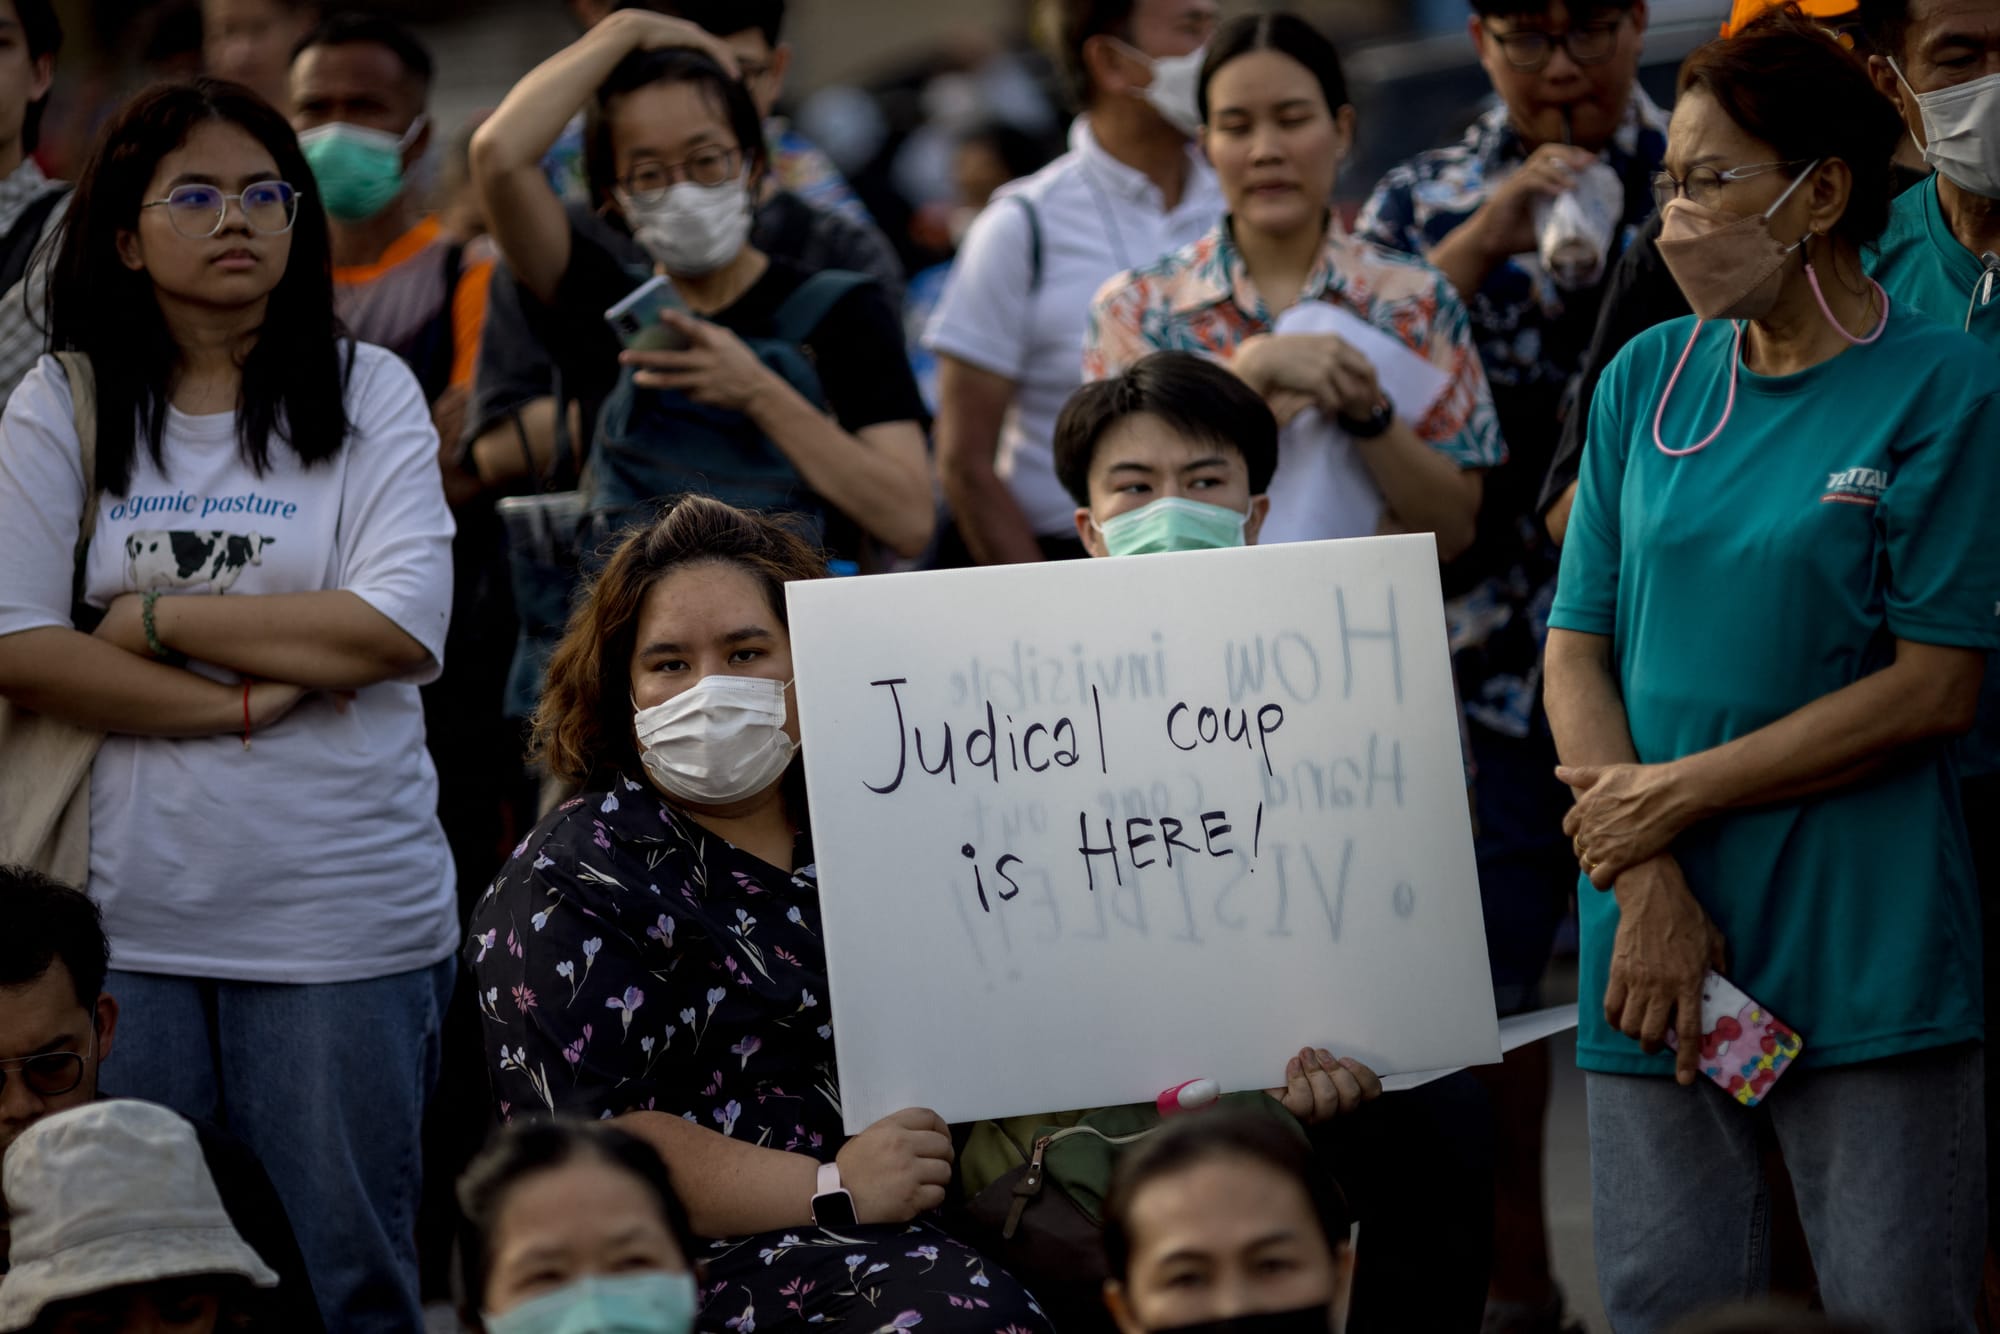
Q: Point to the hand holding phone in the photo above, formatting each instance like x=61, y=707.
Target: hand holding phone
x=1744, y=1047
x=636, y=319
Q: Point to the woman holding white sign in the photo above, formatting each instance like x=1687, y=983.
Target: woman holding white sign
x=1276, y=124
x=1776, y=594
x=652, y=952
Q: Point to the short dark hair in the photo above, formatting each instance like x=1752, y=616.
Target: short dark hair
x=1220, y=1133
x=1190, y=394
x=44, y=34
x=722, y=18
x=49, y=921
x=349, y=29
x=1885, y=24
x=1067, y=24
x=1287, y=34
x=642, y=69
x=525, y=1148
x=1790, y=83
x=1580, y=11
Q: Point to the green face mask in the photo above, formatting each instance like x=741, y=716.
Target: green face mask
x=359, y=171
x=1172, y=523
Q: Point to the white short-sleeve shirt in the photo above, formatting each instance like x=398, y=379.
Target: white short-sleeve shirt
x=1098, y=217
x=315, y=856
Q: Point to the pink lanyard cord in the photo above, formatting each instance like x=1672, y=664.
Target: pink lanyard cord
x=1659, y=414
x=1736, y=364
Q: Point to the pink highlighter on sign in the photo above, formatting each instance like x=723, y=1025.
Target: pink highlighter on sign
x=1744, y=1047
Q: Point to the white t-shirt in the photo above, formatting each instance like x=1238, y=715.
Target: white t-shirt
x=316, y=856
x=1098, y=217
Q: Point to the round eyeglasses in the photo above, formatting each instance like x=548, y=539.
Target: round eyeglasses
x=49, y=1075
x=1703, y=185
x=198, y=211
x=648, y=182
x=1530, y=48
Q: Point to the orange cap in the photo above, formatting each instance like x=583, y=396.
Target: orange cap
x=1745, y=12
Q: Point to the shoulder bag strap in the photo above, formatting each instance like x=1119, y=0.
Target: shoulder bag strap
x=83, y=405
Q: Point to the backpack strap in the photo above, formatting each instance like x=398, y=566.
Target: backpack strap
x=18, y=247
x=82, y=379
x=801, y=312
x=1034, y=242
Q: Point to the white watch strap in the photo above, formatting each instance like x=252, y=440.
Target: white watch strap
x=829, y=1179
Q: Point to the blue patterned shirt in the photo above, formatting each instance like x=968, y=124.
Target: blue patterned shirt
x=1531, y=336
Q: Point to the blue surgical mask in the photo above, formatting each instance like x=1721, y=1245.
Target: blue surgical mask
x=1172, y=523
x=651, y=1303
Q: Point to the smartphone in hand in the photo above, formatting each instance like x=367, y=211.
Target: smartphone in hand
x=1744, y=1047
x=636, y=319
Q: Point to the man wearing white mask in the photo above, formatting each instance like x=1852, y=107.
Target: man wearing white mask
x=1939, y=62
x=1009, y=328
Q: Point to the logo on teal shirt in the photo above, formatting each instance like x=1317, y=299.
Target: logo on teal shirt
x=1856, y=486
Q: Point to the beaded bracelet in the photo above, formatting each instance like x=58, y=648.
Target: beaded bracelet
x=153, y=644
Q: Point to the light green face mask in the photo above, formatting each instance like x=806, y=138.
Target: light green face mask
x=358, y=171
x=1172, y=523
x=649, y=1303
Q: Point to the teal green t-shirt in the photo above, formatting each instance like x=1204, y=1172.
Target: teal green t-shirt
x=1841, y=508
x=1922, y=265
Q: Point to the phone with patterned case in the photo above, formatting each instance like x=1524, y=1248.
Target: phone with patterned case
x=1744, y=1047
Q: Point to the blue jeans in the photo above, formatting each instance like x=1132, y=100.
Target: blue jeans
x=327, y=1085
x=1888, y=1160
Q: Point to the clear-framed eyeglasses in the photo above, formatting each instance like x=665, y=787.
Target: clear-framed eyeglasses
x=198, y=211
x=648, y=182
x=1703, y=185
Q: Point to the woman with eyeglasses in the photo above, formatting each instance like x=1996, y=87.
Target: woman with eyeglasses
x=269, y=551
x=1776, y=595
x=747, y=378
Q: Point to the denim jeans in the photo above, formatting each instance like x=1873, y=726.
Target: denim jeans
x=1888, y=1160
x=326, y=1084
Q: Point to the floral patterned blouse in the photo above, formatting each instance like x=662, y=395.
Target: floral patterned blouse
x=628, y=960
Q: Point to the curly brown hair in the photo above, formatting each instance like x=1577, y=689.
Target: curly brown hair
x=583, y=724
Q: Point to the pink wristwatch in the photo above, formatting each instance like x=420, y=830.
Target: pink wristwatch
x=832, y=1205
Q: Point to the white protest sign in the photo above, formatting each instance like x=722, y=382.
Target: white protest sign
x=1087, y=830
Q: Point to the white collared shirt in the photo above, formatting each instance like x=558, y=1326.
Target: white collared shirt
x=1098, y=217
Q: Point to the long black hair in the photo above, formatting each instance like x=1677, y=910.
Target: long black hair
x=1286, y=34
x=294, y=375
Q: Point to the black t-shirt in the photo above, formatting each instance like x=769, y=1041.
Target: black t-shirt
x=514, y=364
x=1641, y=294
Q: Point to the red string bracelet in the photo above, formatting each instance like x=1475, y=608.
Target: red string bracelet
x=246, y=713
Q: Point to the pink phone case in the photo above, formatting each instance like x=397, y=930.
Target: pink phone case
x=1744, y=1047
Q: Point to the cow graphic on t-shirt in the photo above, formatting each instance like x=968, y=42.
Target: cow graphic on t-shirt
x=158, y=559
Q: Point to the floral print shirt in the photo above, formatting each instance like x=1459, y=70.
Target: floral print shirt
x=629, y=960
x=1200, y=299
x=1532, y=337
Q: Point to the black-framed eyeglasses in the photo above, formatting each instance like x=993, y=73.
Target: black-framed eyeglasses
x=647, y=181
x=49, y=1075
x=1530, y=48
x=197, y=211
x=1703, y=185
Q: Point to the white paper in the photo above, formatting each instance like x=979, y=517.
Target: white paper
x=1516, y=1031
x=1321, y=488
x=1338, y=908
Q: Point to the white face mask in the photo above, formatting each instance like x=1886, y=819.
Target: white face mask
x=719, y=741
x=692, y=229
x=1962, y=125
x=1173, y=91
